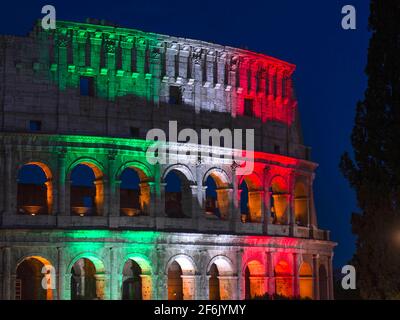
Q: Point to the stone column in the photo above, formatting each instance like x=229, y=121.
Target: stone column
x=61, y=270
x=271, y=82
x=126, y=46
x=110, y=187
x=279, y=77
x=153, y=199
x=316, y=276
x=330, y=280
x=270, y=273
x=196, y=210
x=7, y=274
x=296, y=279
x=240, y=276
x=114, y=276
x=10, y=185
x=61, y=200
x=101, y=292
x=160, y=201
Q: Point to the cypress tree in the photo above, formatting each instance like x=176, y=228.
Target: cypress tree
x=374, y=170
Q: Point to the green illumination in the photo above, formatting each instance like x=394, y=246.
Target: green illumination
x=122, y=61
x=101, y=235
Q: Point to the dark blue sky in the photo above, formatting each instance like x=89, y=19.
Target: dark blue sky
x=330, y=66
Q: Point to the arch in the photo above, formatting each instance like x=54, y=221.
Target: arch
x=306, y=281
x=279, y=200
x=217, y=201
x=220, y=282
x=178, y=194
x=181, y=168
x=185, y=262
x=98, y=263
x=223, y=263
x=87, y=200
x=136, y=285
x=31, y=274
x=283, y=279
x=253, y=181
x=219, y=175
x=135, y=199
x=254, y=276
x=214, y=288
x=87, y=278
x=323, y=283
x=96, y=166
x=301, y=204
x=35, y=198
x=141, y=260
x=181, y=272
x=251, y=199
x=141, y=168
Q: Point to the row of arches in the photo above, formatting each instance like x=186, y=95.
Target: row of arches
x=35, y=281
x=86, y=194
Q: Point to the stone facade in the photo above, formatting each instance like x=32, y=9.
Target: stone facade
x=137, y=81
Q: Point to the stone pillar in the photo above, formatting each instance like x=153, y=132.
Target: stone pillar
x=10, y=185
x=95, y=51
x=270, y=273
x=296, y=279
x=196, y=210
x=101, y=292
x=240, y=276
x=114, y=276
x=61, y=270
x=67, y=285
x=316, y=276
x=279, y=77
x=61, y=201
x=153, y=199
x=68, y=196
x=110, y=187
x=7, y=274
x=271, y=83
x=330, y=279
x=126, y=46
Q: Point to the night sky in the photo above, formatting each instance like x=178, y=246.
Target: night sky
x=330, y=66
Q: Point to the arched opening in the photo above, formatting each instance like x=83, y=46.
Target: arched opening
x=323, y=283
x=181, y=279
x=211, y=206
x=178, y=195
x=306, y=281
x=250, y=200
x=34, y=280
x=244, y=202
x=132, y=281
x=175, y=282
x=220, y=280
x=301, y=204
x=283, y=279
x=134, y=193
x=217, y=195
x=279, y=201
x=87, y=280
x=87, y=190
x=254, y=280
x=213, y=283
x=136, y=279
x=34, y=190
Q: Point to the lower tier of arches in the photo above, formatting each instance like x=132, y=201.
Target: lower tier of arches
x=143, y=265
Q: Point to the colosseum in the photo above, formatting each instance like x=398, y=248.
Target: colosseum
x=86, y=215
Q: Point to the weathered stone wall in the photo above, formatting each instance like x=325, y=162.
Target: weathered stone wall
x=133, y=73
x=154, y=252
